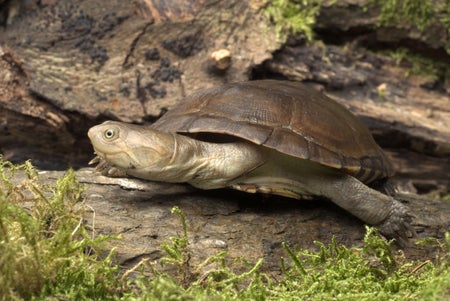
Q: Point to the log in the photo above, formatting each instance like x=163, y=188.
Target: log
x=244, y=225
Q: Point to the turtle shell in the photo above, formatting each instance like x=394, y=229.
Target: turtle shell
x=286, y=116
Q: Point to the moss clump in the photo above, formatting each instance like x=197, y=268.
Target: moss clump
x=429, y=68
x=293, y=17
x=340, y=273
x=420, y=14
x=45, y=248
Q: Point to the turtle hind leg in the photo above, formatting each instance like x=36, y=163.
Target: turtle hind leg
x=390, y=216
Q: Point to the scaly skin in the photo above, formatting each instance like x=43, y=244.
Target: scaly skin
x=146, y=153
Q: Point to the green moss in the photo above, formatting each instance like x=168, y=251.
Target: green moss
x=431, y=69
x=446, y=198
x=45, y=248
x=420, y=14
x=293, y=16
x=340, y=273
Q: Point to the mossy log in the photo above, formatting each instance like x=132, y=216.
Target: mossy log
x=249, y=226
x=67, y=65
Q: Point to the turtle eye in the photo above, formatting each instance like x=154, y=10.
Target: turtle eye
x=109, y=134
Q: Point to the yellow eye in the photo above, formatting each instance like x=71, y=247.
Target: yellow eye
x=109, y=133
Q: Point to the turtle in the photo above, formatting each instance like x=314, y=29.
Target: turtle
x=263, y=136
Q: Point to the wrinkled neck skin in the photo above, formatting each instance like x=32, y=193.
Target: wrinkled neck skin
x=202, y=164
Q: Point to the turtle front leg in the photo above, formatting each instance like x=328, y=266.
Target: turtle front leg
x=390, y=216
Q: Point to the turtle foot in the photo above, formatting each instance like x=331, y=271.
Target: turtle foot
x=106, y=169
x=397, y=225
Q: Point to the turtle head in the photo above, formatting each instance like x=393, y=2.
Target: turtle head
x=130, y=148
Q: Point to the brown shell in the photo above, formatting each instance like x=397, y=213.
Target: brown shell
x=286, y=116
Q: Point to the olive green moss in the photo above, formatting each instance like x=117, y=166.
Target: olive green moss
x=427, y=67
x=297, y=16
x=45, y=248
x=47, y=252
x=419, y=14
x=293, y=17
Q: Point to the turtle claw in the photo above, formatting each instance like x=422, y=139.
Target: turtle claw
x=398, y=225
x=94, y=161
x=102, y=165
x=105, y=169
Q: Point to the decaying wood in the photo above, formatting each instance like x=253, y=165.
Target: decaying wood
x=67, y=65
x=128, y=62
x=243, y=225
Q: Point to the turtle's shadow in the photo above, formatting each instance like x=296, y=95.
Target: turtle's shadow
x=239, y=201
